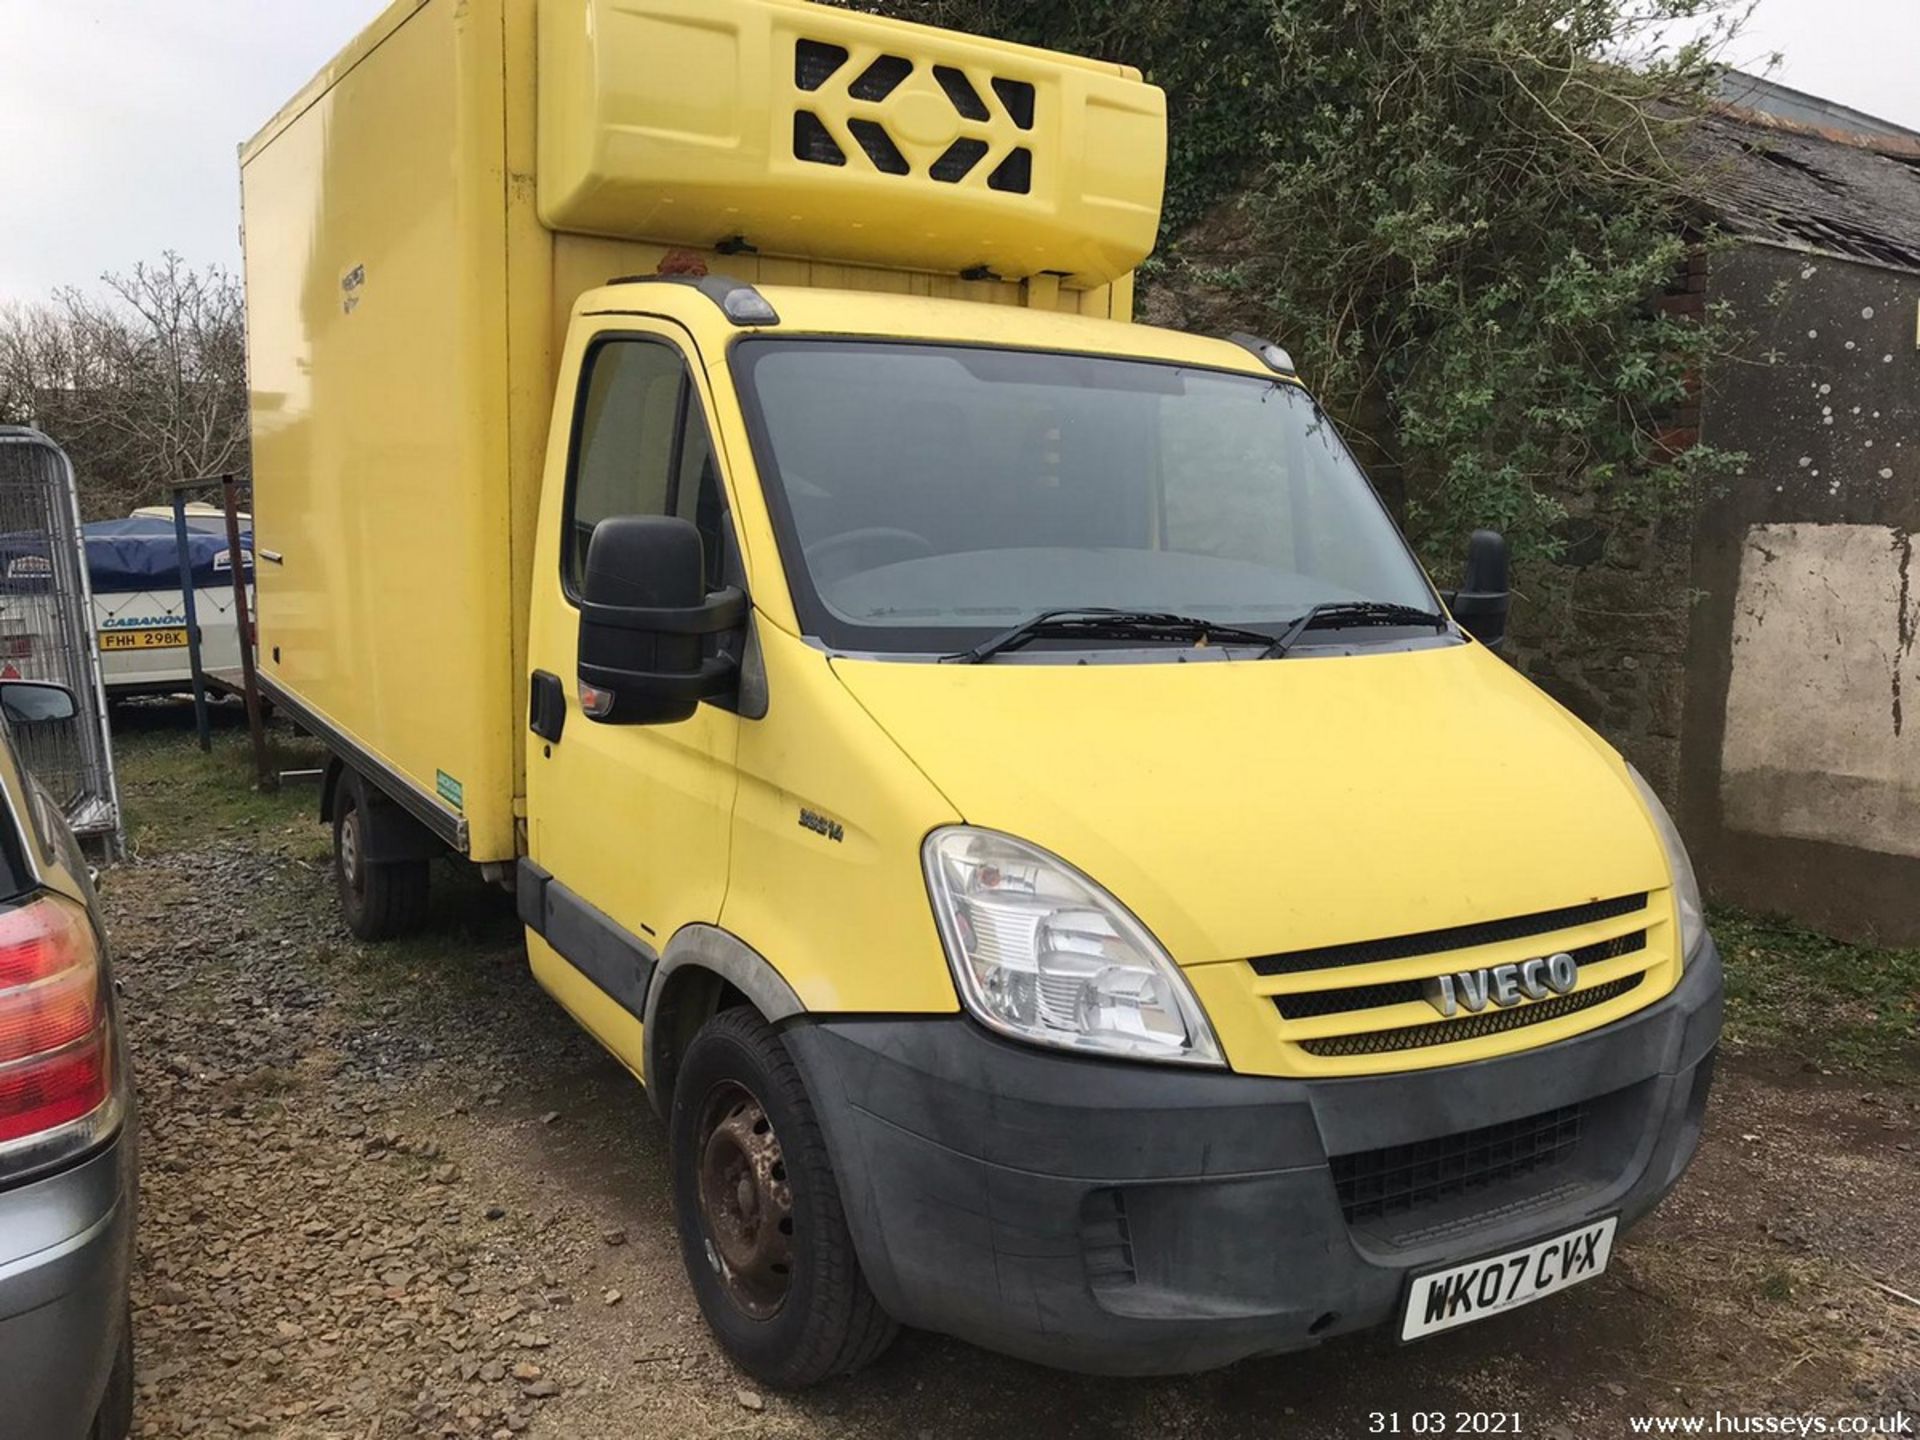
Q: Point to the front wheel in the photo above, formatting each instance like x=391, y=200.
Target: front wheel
x=761, y=1228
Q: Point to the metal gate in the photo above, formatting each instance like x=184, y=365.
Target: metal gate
x=47, y=631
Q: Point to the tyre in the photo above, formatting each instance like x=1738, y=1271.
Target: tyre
x=761, y=1227
x=380, y=900
x=115, y=1417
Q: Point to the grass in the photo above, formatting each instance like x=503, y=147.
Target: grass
x=175, y=797
x=1838, y=1006
x=178, y=798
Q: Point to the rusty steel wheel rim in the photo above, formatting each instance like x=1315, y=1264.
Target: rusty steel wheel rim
x=746, y=1204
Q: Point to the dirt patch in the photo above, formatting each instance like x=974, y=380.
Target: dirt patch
x=397, y=1193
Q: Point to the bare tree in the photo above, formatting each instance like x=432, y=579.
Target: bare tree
x=142, y=383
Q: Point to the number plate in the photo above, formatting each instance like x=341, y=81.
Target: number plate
x=1464, y=1293
x=142, y=639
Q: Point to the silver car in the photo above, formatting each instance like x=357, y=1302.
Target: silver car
x=67, y=1132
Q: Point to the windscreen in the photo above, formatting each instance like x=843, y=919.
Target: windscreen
x=930, y=495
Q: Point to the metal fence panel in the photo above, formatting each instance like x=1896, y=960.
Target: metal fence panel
x=46, y=629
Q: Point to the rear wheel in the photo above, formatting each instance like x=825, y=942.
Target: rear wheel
x=761, y=1227
x=380, y=899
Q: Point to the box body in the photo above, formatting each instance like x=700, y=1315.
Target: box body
x=419, y=221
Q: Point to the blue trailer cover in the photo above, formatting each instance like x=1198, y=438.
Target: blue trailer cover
x=127, y=556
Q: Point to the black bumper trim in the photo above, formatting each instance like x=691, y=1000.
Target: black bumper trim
x=616, y=960
x=1134, y=1219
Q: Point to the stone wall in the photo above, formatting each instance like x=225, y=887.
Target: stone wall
x=1604, y=631
x=1758, y=657
x=1800, y=753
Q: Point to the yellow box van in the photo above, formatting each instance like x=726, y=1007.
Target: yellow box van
x=993, y=771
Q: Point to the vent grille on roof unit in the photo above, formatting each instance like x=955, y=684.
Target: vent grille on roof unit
x=814, y=63
x=954, y=166
x=1017, y=96
x=881, y=79
x=960, y=91
x=812, y=143
x=818, y=141
x=879, y=146
x=1014, y=175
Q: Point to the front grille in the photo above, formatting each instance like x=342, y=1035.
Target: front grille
x=1401, y=992
x=1396, y=1179
x=1469, y=1027
x=1456, y=937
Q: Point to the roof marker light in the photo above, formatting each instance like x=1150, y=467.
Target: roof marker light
x=747, y=306
x=1269, y=354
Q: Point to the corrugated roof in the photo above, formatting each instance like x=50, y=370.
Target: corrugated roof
x=1771, y=97
x=1844, y=194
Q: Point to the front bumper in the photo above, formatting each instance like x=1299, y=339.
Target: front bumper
x=66, y=1247
x=1131, y=1219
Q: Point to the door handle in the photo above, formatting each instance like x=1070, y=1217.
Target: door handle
x=547, y=707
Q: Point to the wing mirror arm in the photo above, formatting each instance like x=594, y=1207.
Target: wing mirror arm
x=1485, y=596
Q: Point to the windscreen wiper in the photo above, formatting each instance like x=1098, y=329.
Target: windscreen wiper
x=1089, y=622
x=1353, y=612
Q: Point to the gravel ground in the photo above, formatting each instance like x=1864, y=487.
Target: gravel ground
x=394, y=1192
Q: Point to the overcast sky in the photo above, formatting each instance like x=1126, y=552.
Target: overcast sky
x=119, y=118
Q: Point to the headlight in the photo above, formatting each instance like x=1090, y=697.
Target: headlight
x=1042, y=953
x=1686, y=889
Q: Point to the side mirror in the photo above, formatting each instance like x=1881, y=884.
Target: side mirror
x=36, y=702
x=645, y=622
x=1486, y=592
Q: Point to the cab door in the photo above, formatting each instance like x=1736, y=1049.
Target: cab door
x=628, y=825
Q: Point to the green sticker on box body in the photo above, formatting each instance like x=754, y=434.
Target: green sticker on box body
x=451, y=790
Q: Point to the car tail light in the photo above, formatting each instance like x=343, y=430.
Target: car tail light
x=56, y=1043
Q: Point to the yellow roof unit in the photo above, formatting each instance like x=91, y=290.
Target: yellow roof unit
x=797, y=129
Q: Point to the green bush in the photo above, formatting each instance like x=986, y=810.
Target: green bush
x=1455, y=214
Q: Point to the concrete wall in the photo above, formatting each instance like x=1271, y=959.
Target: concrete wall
x=1799, y=753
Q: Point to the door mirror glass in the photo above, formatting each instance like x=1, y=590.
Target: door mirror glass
x=651, y=636
x=1486, y=592
x=36, y=702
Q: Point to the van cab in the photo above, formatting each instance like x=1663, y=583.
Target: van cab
x=994, y=772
